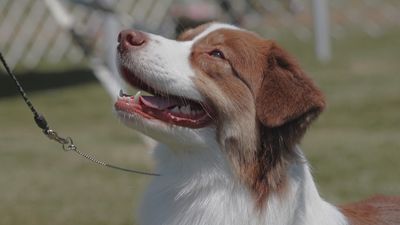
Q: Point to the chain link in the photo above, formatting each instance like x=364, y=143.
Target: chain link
x=67, y=143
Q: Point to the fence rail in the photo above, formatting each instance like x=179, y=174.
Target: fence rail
x=29, y=35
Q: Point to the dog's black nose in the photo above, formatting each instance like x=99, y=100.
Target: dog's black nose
x=131, y=38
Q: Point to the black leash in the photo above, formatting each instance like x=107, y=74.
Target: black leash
x=67, y=143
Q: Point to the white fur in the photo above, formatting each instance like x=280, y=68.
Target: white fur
x=214, y=27
x=164, y=64
x=197, y=186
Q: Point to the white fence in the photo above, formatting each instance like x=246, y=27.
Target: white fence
x=29, y=34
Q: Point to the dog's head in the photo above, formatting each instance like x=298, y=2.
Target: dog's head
x=224, y=84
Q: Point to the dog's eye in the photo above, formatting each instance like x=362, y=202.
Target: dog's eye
x=217, y=53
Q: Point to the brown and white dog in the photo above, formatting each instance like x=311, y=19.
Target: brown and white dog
x=229, y=109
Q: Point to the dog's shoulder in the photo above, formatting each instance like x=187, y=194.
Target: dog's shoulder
x=377, y=210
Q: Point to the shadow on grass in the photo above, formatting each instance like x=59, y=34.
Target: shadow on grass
x=37, y=81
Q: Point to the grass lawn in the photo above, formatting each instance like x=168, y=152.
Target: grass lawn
x=354, y=148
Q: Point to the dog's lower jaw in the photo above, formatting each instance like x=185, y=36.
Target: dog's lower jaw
x=169, y=134
x=198, y=188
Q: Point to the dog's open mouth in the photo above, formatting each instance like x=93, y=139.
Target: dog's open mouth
x=170, y=109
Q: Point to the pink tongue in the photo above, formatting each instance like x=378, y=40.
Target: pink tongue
x=156, y=102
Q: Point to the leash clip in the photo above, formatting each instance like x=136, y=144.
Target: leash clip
x=67, y=143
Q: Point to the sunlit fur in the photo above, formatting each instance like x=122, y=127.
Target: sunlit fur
x=212, y=175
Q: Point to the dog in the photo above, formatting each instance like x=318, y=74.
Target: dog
x=229, y=109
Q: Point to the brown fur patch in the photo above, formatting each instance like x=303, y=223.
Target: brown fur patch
x=263, y=101
x=378, y=210
x=287, y=92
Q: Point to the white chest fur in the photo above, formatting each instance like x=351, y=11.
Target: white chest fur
x=198, y=188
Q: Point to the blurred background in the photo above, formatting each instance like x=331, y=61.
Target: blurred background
x=63, y=53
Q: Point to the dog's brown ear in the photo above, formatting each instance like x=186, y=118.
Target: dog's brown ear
x=286, y=93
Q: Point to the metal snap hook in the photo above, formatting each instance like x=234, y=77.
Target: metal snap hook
x=69, y=145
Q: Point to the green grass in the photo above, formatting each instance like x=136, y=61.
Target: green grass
x=354, y=148
x=41, y=184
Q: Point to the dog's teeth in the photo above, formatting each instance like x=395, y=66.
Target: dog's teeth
x=180, y=108
x=192, y=112
x=185, y=109
x=137, y=95
x=175, y=109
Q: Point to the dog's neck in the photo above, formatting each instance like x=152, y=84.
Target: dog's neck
x=198, y=187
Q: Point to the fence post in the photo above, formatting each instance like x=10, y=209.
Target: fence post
x=112, y=28
x=321, y=30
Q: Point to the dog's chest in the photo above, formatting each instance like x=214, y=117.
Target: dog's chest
x=199, y=190
x=218, y=205
x=196, y=188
